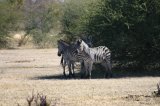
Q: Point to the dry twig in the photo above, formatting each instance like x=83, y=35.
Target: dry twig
x=30, y=99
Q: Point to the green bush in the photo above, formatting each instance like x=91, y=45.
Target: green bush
x=130, y=28
x=9, y=16
x=74, y=18
x=42, y=21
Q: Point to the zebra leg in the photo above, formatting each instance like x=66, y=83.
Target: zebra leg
x=73, y=74
x=69, y=68
x=110, y=69
x=64, y=65
x=82, y=69
x=90, y=69
x=107, y=66
x=86, y=66
x=61, y=60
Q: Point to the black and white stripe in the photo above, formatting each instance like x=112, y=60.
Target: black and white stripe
x=99, y=54
x=87, y=39
x=70, y=56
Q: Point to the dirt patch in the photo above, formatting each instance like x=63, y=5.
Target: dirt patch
x=22, y=71
x=20, y=61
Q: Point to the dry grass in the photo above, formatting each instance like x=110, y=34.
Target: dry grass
x=22, y=71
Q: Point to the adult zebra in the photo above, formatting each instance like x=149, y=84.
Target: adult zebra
x=87, y=39
x=70, y=56
x=100, y=54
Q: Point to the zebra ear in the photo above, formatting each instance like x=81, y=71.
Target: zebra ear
x=79, y=41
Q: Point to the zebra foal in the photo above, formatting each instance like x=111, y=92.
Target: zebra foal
x=100, y=54
x=70, y=56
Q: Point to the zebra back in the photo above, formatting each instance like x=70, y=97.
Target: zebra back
x=97, y=54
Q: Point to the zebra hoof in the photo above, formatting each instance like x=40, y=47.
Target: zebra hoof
x=88, y=77
x=70, y=76
x=111, y=75
x=82, y=76
x=106, y=75
x=64, y=75
x=73, y=75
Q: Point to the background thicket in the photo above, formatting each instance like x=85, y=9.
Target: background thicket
x=10, y=15
x=130, y=28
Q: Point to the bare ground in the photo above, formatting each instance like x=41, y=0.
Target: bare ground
x=24, y=71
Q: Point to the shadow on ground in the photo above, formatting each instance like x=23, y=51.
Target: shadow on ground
x=99, y=74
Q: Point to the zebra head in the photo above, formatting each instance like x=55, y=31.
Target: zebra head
x=81, y=46
x=61, y=46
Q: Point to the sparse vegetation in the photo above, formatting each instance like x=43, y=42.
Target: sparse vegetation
x=23, y=70
x=158, y=89
x=157, y=93
x=37, y=100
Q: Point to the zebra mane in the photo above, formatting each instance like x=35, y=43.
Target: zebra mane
x=84, y=43
x=66, y=44
x=63, y=42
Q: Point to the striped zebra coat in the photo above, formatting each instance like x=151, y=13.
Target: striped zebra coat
x=87, y=39
x=70, y=56
x=100, y=54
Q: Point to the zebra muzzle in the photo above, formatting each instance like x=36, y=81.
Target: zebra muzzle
x=59, y=54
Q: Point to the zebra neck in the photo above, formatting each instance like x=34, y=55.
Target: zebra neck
x=87, y=50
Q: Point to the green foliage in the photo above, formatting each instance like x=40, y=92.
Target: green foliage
x=40, y=20
x=9, y=15
x=130, y=28
x=43, y=40
x=75, y=14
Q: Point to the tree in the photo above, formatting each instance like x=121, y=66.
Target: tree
x=10, y=14
x=130, y=29
x=74, y=18
x=40, y=18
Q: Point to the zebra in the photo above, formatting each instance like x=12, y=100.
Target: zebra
x=63, y=47
x=86, y=39
x=100, y=54
x=70, y=56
